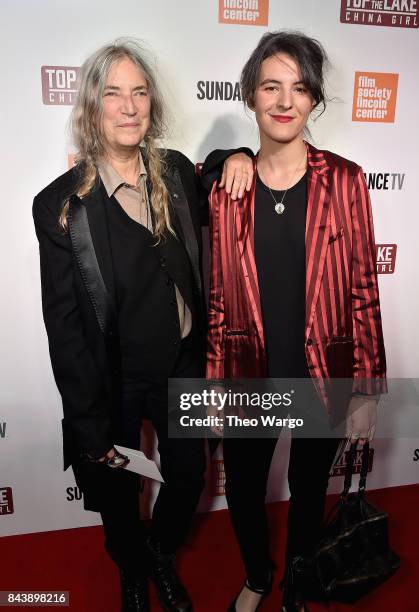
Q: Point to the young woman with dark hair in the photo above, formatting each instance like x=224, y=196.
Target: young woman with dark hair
x=293, y=295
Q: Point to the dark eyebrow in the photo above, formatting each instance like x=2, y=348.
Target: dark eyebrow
x=279, y=82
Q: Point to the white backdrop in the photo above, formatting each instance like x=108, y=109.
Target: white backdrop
x=192, y=48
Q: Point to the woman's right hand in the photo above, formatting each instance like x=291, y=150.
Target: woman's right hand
x=114, y=459
x=109, y=455
x=237, y=175
x=361, y=420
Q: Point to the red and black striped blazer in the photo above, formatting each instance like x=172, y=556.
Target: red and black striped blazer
x=343, y=333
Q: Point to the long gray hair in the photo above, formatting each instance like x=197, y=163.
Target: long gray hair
x=87, y=133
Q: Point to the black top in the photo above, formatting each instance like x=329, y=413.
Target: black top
x=280, y=262
x=148, y=318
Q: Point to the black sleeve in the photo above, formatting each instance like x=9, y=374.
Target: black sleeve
x=213, y=165
x=195, y=190
x=86, y=403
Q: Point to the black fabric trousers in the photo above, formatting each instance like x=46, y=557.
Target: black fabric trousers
x=247, y=463
x=182, y=465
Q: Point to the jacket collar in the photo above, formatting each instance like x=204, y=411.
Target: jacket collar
x=317, y=228
x=89, y=237
x=91, y=242
x=99, y=230
x=316, y=159
x=112, y=180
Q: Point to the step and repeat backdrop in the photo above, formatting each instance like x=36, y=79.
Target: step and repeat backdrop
x=199, y=49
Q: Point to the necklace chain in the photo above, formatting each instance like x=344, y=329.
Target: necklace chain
x=279, y=206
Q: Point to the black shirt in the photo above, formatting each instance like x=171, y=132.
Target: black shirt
x=280, y=262
x=148, y=319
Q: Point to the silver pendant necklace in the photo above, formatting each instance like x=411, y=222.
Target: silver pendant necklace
x=280, y=206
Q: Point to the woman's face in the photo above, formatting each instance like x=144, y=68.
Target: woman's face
x=126, y=107
x=282, y=104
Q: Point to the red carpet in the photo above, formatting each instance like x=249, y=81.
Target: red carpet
x=74, y=560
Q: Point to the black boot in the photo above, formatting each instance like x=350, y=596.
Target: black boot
x=171, y=592
x=134, y=593
x=293, y=597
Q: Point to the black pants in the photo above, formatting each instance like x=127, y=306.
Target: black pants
x=182, y=464
x=247, y=463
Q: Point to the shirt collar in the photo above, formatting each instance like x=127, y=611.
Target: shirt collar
x=110, y=177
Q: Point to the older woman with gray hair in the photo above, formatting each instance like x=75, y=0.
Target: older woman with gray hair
x=120, y=250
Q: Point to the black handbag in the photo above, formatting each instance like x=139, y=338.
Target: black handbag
x=353, y=556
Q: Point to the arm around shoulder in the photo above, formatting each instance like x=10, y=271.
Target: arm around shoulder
x=213, y=165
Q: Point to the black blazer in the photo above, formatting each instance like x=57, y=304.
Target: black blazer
x=78, y=297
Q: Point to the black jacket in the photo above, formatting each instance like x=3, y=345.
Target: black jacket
x=78, y=297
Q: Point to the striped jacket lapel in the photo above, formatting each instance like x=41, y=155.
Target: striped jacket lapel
x=317, y=228
x=244, y=221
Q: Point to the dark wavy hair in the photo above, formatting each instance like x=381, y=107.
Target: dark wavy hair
x=307, y=52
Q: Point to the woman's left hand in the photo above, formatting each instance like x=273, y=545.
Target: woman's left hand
x=237, y=175
x=361, y=420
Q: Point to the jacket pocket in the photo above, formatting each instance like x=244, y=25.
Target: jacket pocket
x=237, y=332
x=340, y=356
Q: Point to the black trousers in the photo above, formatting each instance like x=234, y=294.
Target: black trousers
x=247, y=463
x=182, y=464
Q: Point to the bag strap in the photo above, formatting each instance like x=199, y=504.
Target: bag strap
x=364, y=468
x=350, y=467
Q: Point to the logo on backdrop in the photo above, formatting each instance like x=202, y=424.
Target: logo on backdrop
x=391, y=13
x=340, y=467
x=243, y=12
x=6, y=501
x=386, y=181
x=386, y=258
x=2, y=430
x=416, y=454
x=74, y=494
x=59, y=84
x=375, y=95
x=218, y=90
x=218, y=478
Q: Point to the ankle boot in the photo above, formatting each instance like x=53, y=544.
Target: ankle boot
x=134, y=593
x=172, y=594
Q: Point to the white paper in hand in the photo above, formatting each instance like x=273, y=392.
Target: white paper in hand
x=139, y=463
